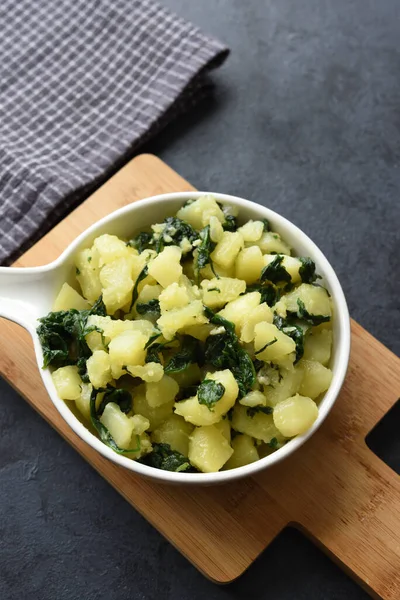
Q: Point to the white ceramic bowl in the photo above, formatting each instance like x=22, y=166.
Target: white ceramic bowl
x=26, y=294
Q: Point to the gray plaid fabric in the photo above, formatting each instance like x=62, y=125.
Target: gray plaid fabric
x=82, y=84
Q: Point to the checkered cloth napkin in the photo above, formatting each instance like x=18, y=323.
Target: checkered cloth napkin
x=82, y=84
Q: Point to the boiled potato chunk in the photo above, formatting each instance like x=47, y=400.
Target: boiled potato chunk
x=227, y=249
x=217, y=292
x=208, y=449
x=249, y=264
x=244, y=452
x=259, y=426
x=252, y=231
x=140, y=424
x=271, y=243
x=198, y=214
x=117, y=284
x=181, y=318
x=67, y=382
x=280, y=344
x=316, y=300
x=99, y=369
x=318, y=345
x=224, y=427
x=174, y=431
x=239, y=310
x=287, y=384
x=199, y=414
x=295, y=415
x=88, y=273
x=110, y=247
x=83, y=400
x=174, y=296
x=118, y=424
x=161, y=392
x=149, y=292
x=166, y=267
x=316, y=378
x=216, y=229
x=199, y=332
x=126, y=349
x=111, y=328
x=149, y=372
x=289, y=263
x=190, y=376
x=260, y=313
x=155, y=416
x=69, y=298
x=254, y=398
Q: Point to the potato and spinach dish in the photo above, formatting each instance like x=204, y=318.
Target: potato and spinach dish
x=198, y=345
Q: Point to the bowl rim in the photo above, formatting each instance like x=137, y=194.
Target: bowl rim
x=342, y=347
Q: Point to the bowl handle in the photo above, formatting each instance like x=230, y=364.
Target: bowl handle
x=21, y=294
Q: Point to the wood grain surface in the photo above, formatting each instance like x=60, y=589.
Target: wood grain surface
x=334, y=488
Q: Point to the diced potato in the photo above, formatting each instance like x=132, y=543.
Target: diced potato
x=316, y=378
x=217, y=292
x=69, y=298
x=244, y=452
x=110, y=248
x=249, y=264
x=181, y=318
x=239, y=310
x=318, y=345
x=192, y=290
x=287, y=384
x=155, y=416
x=199, y=414
x=227, y=249
x=149, y=372
x=174, y=431
x=149, y=292
x=190, y=376
x=111, y=328
x=161, y=392
x=118, y=424
x=259, y=426
x=224, y=427
x=295, y=415
x=208, y=449
x=67, y=382
x=261, y=313
x=216, y=229
x=88, y=273
x=289, y=263
x=254, y=398
x=117, y=284
x=127, y=349
x=99, y=369
x=166, y=267
x=140, y=424
x=142, y=442
x=199, y=332
x=83, y=400
x=252, y=231
x=270, y=242
x=316, y=300
x=199, y=212
x=280, y=344
x=210, y=273
x=174, y=296
x=95, y=341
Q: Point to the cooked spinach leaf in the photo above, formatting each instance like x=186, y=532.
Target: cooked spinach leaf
x=258, y=364
x=252, y=410
x=266, y=225
x=273, y=443
x=142, y=241
x=307, y=270
x=313, y=319
x=140, y=277
x=275, y=271
x=152, y=307
x=187, y=392
x=266, y=346
x=189, y=352
x=62, y=336
x=270, y=294
x=230, y=223
x=155, y=349
x=297, y=334
x=118, y=395
x=163, y=457
x=210, y=392
x=104, y=433
x=175, y=230
x=203, y=251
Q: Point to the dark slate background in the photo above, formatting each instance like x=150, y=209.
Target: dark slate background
x=305, y=119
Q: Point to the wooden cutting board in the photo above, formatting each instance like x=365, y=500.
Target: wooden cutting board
x=334, y=488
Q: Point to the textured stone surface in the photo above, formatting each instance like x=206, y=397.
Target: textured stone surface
x=305, y=119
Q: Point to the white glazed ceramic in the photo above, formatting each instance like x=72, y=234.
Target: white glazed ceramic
x=28, y=293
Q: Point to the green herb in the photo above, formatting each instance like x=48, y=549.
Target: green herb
x=103, y=432
x=189, y=352
x=307, y=270
x=270, y=294
x=204, y=251
x=266, y=225
x=273, y=443
x=175, y=230
x=187, y=392
x=154, y=350
x=153, y=338
x=224, y=351
x=253, y=410
x=230, y=223
x=135, y=293
x=62, y=336
x=77, y=271
x=214, y=289
x=210, y=392
x=297, y=334
x=89, y=259
x=142, y=241
x=163, y=457
x=152, y=307
x=275, y=271
x=258, y=364
x=117, y=395
x=266, y=346
x=313, y=319
x=279, y=322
